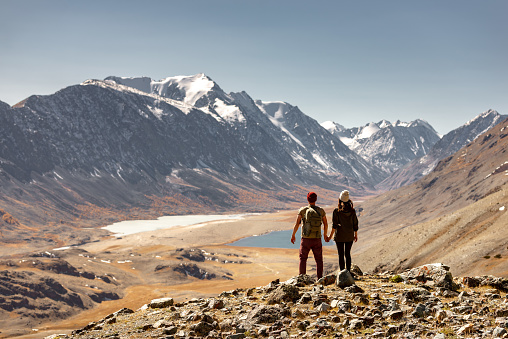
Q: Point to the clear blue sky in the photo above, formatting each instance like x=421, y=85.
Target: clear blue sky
x=352, y=62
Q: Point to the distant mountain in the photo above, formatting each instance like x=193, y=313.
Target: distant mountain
x=386, y=145
x=449, y=144
x=456, y=214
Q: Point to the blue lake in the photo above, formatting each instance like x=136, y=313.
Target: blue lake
x=277, y=239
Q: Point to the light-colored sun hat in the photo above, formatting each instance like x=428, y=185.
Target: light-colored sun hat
x=344, y=196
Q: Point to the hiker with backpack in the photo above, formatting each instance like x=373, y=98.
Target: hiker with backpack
x=345, y=227
x=311, y=217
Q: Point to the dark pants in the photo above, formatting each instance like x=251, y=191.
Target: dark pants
x=315, y=245
x=344, y=250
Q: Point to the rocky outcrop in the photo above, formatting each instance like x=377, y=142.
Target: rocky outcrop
x=374, y=307
x=30, y=291
x=436, y=274
x=187, y=269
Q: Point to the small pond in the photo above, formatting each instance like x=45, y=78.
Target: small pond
x=276, y=239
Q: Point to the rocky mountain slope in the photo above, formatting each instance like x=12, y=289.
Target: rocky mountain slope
x=456, y=213
x=386, y=145
x=423, y=302
x=449, y=144
x=108, y=150
x=266, y=126
x=101, y=151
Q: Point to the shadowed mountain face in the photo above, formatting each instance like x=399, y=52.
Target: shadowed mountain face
x=103, y=150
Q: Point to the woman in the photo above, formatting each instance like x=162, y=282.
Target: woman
x=345, y=227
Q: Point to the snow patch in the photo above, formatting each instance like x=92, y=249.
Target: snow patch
x=320, y=160
x=349, y=142
x=275, y=111
x=228, y=112
x=368, y=131
x=157, y=112
x=332, y=127
x=194, y=87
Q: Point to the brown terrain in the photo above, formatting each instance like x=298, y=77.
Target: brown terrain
x=182, y=262
x=456, y=214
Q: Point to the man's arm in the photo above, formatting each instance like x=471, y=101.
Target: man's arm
x=295, y=229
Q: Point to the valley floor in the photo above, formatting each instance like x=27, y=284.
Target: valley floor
x=179, y=261
x=142, y=264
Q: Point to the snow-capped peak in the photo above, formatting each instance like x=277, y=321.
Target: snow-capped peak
x=399, y=123
x=483, y=115
x=189, y=89
x=194, y=86
x=384, y=123
x=368, y=131
x=332, y=126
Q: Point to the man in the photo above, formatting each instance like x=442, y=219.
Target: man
x=311, y=217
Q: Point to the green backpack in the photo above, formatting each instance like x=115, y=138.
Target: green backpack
x=312, y=223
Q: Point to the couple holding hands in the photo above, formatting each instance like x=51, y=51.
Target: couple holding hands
x=344, y=231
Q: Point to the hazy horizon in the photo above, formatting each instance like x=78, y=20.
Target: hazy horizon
x=352, y=63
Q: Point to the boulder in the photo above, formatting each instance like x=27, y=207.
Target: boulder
x=323, y=307
x=356, y=324
x=283, y=293
x=420, y=311
x=216, y=304
x=263, y=314
x=438, y=273
x=498, y=332
x=393, y=315
x=300, y=280
x=327, y=280
x=414, y=294
x=161, y=303
x=202, y=328
x=356, y=270
x=468, y=328
x=344, y=279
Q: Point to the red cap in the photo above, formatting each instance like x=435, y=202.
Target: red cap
x=311, y=197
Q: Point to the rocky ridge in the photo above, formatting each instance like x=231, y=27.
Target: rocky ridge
x=425, y=301
x=450, y=143
x=387, y=145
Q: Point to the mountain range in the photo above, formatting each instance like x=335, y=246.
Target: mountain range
x=121, y=148
x=106, y=150
x=388, y=146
